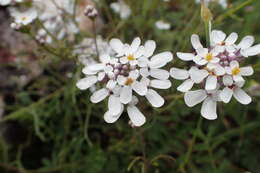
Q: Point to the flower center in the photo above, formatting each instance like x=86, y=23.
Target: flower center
x=130, y=57
x=209, y=57
x=129, y=81
x=24, y=18
x=222, y=43
x=235, y=71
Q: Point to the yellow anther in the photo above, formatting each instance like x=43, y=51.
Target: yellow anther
x=130, y=57
x=235, y=71
x=129, y=81
x=209, y=57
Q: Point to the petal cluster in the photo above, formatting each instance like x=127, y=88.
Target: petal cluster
x=216, y=71
x=132, y=72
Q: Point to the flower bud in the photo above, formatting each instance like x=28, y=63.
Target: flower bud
x=91, y=12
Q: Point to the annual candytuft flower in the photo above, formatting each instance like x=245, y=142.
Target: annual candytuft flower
x=223, y=3
x=121, y=8
x=132, y=71
x=23, y=18
x=162, y=25
x=216, y=70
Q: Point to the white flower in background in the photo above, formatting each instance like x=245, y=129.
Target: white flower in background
x=51, y=13
x=121, y=8
x=8, y=2
x=23, y=18
x=132, y=71
x=86, y=50
x=162, y=25
x=223, y=3
x=216, y=70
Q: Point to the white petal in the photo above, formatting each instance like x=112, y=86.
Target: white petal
x=197, y=75
x=238, y=78
x=104, y=58
x=246, y=42
x=252, y=51
x=202, y=51
x=111, y=84
x=134, y=74
x=142, y=62
x=149, y=46
x=114, y=105
x=160, y=84
x=246, y=71
x=87, y=82
x=193, y=98
x=159, y=74
x=110, y=118
x=226, y=94
x=185, y=56
x=140, y=88
x=93, y=69
x=241, y=96
x=234, y=64
x=121, y=79
x=232, y=38
x=209, y=109
x=116, y=45
x=195, y=41
x=154, y=98
x=227, y=80
x=126, y=95
x=123, y=60
x=186, y=85
x=135, y=45
x=211, y=83
x=179, y=74
x=140, y=52
x=219, y=70
x=217, y=36
x=160, y=60
x=99, y=95
x=144, y=72
x=136, y=117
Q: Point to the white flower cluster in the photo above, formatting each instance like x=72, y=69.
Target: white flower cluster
x=216, y=70
x=22, y=18
x=51, y=13
x=134, y=70
x=223, y=3
x=9, y=2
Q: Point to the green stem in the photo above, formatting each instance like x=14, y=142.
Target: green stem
x=190, y=149
x=233, y=10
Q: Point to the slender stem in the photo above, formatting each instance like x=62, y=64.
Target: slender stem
x=143, y=147
x=86, y=136
x=188, y=154
x=95, y=35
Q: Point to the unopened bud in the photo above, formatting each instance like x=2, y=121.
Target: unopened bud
x=206, y=14
x=91, y=12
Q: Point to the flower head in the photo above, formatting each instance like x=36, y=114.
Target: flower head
x=217, y=71
x=132, y=71
x=121, y=8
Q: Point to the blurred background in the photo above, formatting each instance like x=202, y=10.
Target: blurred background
x=48, y=125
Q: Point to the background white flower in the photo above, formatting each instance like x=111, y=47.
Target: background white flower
x=162, y=25
x=121, y=8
